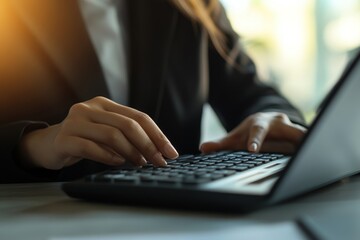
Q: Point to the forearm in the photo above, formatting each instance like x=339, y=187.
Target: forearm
x=12, y=169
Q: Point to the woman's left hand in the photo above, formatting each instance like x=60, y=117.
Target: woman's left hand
x=260, y=132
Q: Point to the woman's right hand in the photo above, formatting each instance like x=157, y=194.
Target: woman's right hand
x=100, y=130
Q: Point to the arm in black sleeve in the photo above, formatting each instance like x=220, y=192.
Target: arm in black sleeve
x=10, y=169
x=235, y=92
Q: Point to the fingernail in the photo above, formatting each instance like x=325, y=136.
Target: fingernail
x=159, y=160
x=201, y=147
x=142, y=161
x=170, y=151
x=253, y=147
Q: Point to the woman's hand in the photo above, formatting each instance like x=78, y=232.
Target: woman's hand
x=266, y=132
x=100, y=130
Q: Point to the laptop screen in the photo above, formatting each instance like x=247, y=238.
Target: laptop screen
x=331, y=149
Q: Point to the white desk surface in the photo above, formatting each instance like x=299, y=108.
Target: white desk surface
x=42, y=211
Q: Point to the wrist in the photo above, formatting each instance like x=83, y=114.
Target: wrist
x=33, y=149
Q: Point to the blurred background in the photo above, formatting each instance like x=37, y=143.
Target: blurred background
x=299, y=46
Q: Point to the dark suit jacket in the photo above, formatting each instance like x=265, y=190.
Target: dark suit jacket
x=47, y=63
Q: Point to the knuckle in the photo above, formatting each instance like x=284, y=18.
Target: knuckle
x=143, y=117
x=96, y=102
x=131, y=125
x=113, y=136
x=98, y=99
x=282, y=116
x=258, y=127
x=259, y=115
x=78, y=108
x=254, y=118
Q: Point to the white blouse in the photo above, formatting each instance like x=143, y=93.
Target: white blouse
x=106, y=21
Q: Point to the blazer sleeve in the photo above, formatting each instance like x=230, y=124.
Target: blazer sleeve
x=235, y=92
x=10, y=170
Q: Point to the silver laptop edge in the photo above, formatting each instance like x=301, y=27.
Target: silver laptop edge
x=331, y=149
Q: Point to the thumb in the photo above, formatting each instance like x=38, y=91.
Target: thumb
x=215, y=146
x=209, y=147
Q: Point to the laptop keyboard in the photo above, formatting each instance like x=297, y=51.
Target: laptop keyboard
x=187, y=169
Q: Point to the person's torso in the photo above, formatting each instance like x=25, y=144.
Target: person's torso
x=48, y=63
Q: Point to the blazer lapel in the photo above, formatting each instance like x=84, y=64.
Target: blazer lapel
x=58, y=27
x=150, y=34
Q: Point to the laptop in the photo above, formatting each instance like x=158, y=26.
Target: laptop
x=238, y=181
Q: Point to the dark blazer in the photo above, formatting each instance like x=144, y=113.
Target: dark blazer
x=47, y=63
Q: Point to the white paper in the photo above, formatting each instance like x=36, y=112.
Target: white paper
x=279, y=231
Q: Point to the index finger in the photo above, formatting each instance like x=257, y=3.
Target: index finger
x=258, y=132
x=151, y=129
